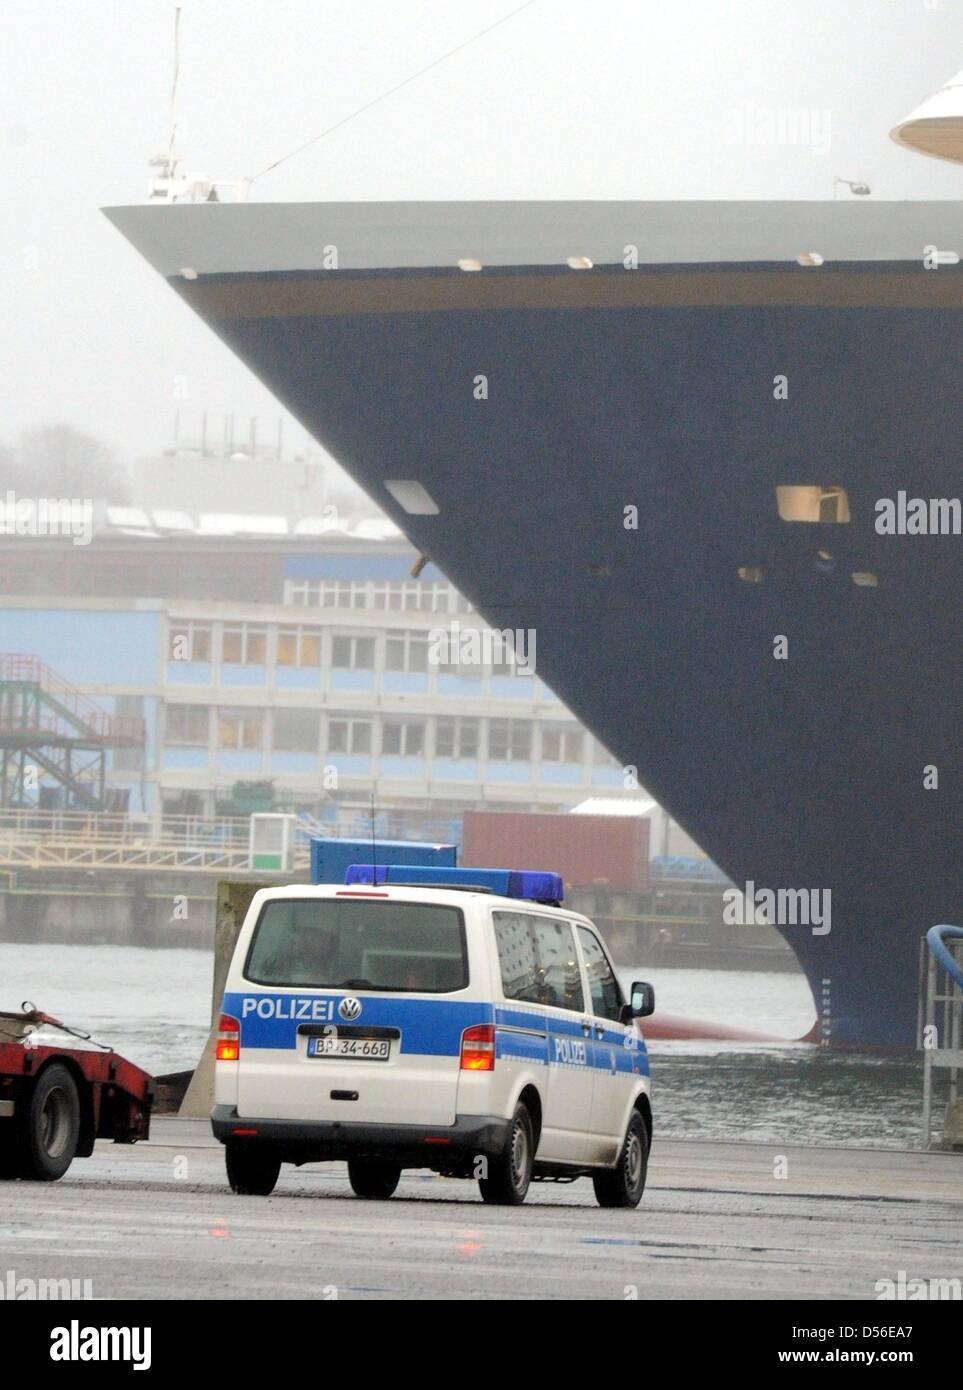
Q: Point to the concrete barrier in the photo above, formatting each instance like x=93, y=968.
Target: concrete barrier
x=233, y=900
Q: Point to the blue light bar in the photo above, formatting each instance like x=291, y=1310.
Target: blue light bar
x=535, y=885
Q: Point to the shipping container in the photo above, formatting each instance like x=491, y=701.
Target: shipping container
x=331, y=859
x=609, y=850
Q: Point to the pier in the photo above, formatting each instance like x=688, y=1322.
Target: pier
x=716, y=1221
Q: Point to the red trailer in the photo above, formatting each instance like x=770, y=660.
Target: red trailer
x=59, y=1094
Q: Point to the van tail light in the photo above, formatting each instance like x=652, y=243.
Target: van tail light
x=478, y=1048
x=228, y=1039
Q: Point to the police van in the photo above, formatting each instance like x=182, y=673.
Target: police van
x=453, y=1019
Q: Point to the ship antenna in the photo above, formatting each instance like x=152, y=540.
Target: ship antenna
x=177, y=73
x=374, y=847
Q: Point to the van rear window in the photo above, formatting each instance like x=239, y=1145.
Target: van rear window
x=359, y=944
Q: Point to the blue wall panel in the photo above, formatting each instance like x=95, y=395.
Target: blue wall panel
x=84, y=646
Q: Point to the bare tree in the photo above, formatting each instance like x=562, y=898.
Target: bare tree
x=59, y=461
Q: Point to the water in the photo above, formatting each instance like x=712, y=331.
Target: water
x=154, y=1007
x=778, y=1094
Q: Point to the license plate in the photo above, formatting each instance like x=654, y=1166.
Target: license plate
x=355, y=1049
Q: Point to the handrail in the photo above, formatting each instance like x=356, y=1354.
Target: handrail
x=934, y=939
x=69, y=712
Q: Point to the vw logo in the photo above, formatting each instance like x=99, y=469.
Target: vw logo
x=349, y=1008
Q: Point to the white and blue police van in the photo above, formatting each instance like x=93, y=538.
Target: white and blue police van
x=454, y=1019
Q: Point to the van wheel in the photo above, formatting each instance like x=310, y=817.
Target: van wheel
x=369, y=1177
x=52, y=1126
x=510, y=1173
x=623, y=1185
x=252, y=1169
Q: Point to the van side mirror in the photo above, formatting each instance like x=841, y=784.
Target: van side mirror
x=642, y=999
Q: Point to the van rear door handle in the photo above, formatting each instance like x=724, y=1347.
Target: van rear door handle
x=586, y=1027
x=599, y=1031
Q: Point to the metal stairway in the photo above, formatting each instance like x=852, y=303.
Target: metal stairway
x=51, y=734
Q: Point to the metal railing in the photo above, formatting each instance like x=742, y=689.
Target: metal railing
x=36, y=839
x=31, y=839
x=66, y=711
x=941, y=1027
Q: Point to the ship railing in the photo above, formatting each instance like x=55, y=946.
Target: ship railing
x=940, y=1035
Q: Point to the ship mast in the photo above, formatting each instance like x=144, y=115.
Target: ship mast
x=167, y=185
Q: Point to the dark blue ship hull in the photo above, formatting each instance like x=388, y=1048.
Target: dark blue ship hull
x=654, y=389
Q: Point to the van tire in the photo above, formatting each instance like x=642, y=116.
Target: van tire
x=623, y=1185
x=252, y=1169
x=51, y=1126
x=510, y=1173
x=373, y=1178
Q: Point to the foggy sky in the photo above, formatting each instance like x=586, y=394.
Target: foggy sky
x=614, y=98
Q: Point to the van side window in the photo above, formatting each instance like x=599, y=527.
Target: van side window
x=603, y=986
x=559, y=974
x=516, y=956
x=538, y=961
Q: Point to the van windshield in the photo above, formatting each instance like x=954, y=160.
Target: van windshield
x=359, y=944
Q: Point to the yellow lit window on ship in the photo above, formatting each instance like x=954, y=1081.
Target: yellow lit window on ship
x=812, y=504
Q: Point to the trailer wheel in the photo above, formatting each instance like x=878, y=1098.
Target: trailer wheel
x=252, y=1168
x=52, y=1126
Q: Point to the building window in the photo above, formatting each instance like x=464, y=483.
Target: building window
x=130, y=759
x=454, y=666
x=190, y=642
x=503, y=655
x=403, y=738
x=406, y=651
x=344, y=594
x=301, y=595
x=601, y=757
x=455, y=737
x=299, y=646
x=409, y=595
x=330, y=593
x=187, y=726
x=561, y=744
x=387, y=596
x=352, y=653
x=244, y=644
x=349, y=736
x=509, y=740
x=296, y=730
x=240, y=729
